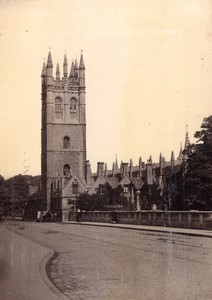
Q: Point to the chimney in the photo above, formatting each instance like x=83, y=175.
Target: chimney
x=100, y=169
x=124, y=169
x=88, y=172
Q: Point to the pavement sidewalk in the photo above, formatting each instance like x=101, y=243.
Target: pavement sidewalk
x=23, y=269
x=169, y=230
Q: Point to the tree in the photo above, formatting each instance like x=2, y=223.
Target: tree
x=173, y=192
x=198, y=169
x=17, y=187
x=14, y=196
x=4, y=196
x=102, y=199
x=90, y=202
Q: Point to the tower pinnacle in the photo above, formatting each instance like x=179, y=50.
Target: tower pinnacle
x=49, y=68
x=187, y=142
x=65, y=66
x=58, y=72
x=172, y=161
x=72, y=70
x=81, y=65
x=76, y=69
x=43, y=73
x=49, y=61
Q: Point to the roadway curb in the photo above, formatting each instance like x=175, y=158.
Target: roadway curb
x=43, y=271
x=141, y=229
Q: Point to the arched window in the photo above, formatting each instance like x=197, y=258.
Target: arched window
x=73, y=106
x=66, y=170
x=66, y=143
x=58, y=108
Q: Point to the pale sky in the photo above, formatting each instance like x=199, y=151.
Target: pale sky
x=148, y=74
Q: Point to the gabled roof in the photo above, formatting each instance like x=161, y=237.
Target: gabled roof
x=138, y=183
x=113, y=182
x=67, y=191
x=98, y=181
x=125, y=181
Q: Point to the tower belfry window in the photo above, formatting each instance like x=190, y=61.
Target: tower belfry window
x=66, y=143
x=66, y=170
x=73, y=106
x=58, y=108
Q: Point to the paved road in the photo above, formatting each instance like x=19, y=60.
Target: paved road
x=112, y=263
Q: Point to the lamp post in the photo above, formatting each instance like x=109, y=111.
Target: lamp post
x=138, y=200
x=132, y=199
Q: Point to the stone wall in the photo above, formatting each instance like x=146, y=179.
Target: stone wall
x=180, y=219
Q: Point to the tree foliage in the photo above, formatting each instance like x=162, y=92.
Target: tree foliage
x=4, y=196
x=198, y=169
x=101, y=201
x=191, y=186
x=14, y=197
x=90, y=202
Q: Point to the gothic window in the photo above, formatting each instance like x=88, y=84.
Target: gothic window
x=73, y=106
x=126, y=189
x=66, y=170
x=66, y=143
x=75, y=188
x=101, y=189
x=58, y=108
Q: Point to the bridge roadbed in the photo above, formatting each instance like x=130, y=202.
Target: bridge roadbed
x=106, y=262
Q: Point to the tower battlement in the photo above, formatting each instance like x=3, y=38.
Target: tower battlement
x=76, y=75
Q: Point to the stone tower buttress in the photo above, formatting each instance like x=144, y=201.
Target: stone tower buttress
x=82, y=90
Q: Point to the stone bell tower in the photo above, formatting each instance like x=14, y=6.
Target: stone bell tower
x=63, y=124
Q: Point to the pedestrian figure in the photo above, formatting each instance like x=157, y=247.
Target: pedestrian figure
x=79, y=215
x=113, y=217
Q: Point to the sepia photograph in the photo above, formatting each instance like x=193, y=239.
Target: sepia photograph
x=105, y=149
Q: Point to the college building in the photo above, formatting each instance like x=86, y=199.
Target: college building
x=65, y=170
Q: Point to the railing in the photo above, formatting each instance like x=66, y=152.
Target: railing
x=180, y=219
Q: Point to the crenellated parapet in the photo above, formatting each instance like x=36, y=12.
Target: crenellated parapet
x=76, y=75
